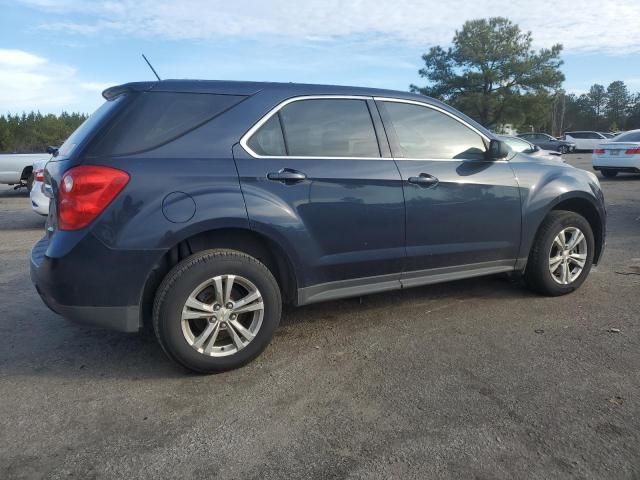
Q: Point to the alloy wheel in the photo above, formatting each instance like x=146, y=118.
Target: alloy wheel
x=222, y=315
x=568, y=255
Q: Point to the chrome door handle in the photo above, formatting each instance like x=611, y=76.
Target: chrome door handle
x=287, y=175
x=424, y=180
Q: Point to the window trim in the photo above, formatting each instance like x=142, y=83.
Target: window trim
x=245, y=138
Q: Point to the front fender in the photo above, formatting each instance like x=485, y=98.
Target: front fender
x=544, y=186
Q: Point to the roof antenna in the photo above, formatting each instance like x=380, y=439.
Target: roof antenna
x=151, y=67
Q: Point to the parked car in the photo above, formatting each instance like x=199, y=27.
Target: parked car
x=37, y=196
x=17, y=169
x=520, y=145
x=547, y=142
x=621, y=154
x=202, y=206
x=584, y=140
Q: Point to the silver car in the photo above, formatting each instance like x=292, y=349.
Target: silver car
x=39, y=201
x=520, y=145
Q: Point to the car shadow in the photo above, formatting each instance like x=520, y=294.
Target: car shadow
x=15, y=211
x=621, y=177
x=58, y=348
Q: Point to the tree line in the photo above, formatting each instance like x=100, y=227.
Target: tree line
x=492, y=73
x=34, y=132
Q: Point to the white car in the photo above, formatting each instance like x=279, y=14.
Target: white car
x=17, y=169
x=620, y=154
x=39, y=201
x=584, y=140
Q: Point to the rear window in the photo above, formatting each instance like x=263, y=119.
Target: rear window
x=86, y=127
x=628, y=137
x=155, y=118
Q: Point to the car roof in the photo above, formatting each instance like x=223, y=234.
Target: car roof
x=280, y=89
x=232, y=87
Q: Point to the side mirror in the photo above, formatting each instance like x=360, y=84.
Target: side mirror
x=498, y=150
x=52, y=150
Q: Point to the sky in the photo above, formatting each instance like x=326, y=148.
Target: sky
x=58, y=55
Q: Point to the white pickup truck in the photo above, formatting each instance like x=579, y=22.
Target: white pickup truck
x=17, y=169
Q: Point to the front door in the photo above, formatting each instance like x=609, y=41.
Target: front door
x=463, y=211
x=317, y=178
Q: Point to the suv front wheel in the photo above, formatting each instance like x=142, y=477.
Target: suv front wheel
x=216, y=310
x=562, y=254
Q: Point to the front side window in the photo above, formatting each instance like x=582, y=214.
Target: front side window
x=424, y=132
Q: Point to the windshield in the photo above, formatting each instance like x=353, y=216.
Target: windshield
x=86, y=127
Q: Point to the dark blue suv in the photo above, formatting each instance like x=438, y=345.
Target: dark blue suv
x=202, y=206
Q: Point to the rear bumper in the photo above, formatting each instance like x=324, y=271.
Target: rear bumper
x=92, y=284
x=121, y=319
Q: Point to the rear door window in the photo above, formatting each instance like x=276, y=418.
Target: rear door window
x=153, y=119
x=329, y=128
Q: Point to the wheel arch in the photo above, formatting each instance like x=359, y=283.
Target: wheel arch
x=584, y=206
x=26, y=171
x=258, y=245
x=588, y=210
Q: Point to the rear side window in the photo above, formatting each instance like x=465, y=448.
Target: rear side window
x=329, y=128
x=155, y=118
x=424, y=132
x=269, y=139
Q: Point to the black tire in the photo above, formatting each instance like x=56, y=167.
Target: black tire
x=563, y=149
x=608, y=173
x=537, y=275
x=30, y=182
x=179, y=284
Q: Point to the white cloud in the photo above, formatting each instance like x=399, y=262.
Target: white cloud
x=29, y=81
x=592, y=26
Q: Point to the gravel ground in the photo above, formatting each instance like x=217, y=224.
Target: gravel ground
x=471, y=379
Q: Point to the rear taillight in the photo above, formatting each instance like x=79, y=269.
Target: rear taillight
x=598, y=150
x=38, y=176
x=633, y=151
x=85, y=191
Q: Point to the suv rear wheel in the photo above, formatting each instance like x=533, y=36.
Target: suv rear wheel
x=216, y=310
x=562, y=254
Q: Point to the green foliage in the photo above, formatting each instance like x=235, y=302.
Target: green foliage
x=490, y=72
x=34, y=132
x=601, y=109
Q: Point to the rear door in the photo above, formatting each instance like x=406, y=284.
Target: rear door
x=463, y=211
x=317, y=176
